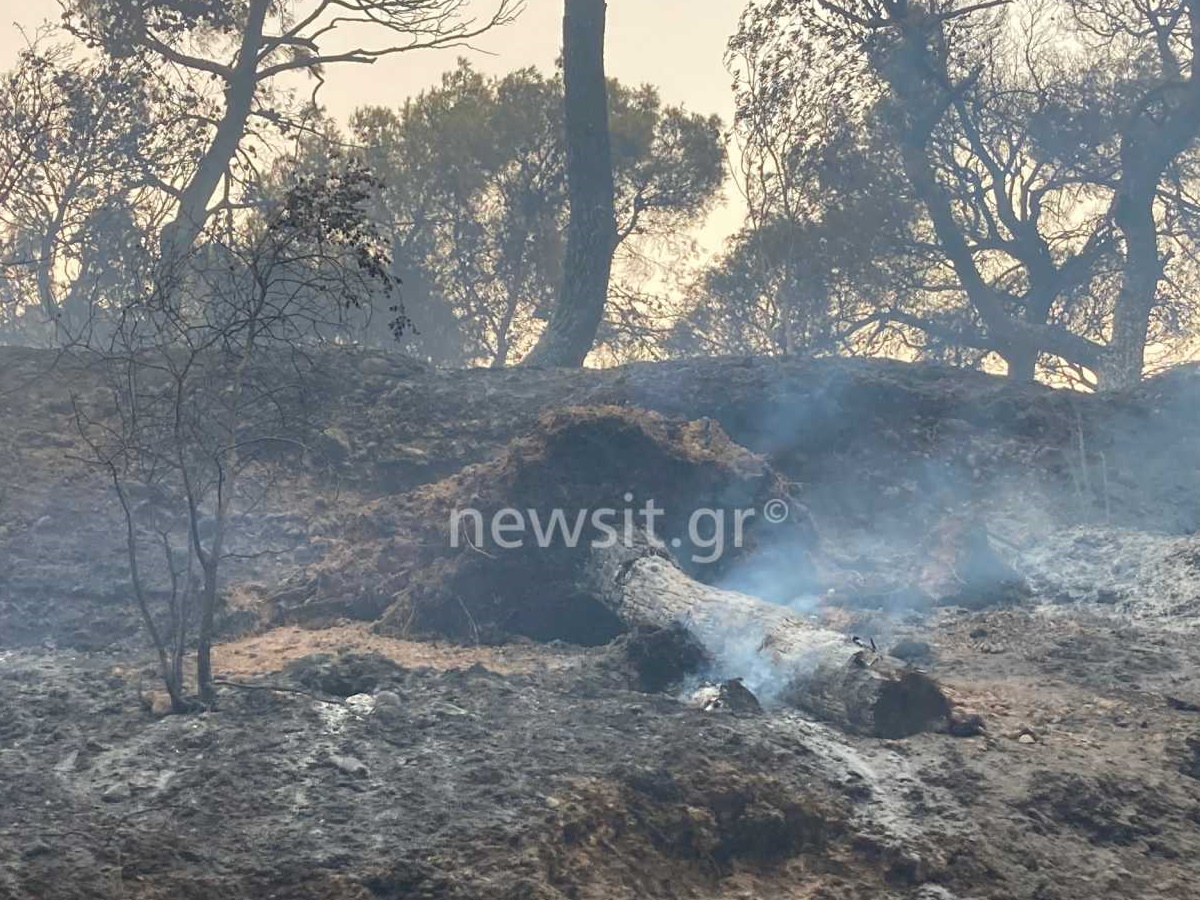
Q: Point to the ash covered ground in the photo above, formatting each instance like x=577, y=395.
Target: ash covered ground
x=357, y=764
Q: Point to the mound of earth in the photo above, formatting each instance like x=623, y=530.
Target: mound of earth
x=433, y=561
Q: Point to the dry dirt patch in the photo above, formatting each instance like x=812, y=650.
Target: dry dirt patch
x=272, y=651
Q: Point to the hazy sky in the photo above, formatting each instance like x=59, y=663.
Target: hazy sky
x=677, y=45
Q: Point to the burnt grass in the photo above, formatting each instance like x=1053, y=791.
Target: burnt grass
x=475, y=785
x=592, y=779
x=553, y=784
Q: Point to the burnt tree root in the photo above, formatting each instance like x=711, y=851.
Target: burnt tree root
x=480, y=589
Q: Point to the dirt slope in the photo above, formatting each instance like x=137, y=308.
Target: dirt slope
x=537, y=771
x=872, y=446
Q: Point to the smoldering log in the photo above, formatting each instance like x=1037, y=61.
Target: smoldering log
x=824, y=672
x=589, y=458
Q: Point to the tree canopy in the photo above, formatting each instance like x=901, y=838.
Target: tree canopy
x=475, y=202
x=989, y=182
x=1032, y=163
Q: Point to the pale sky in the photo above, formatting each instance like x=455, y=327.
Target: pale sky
x=677, y=45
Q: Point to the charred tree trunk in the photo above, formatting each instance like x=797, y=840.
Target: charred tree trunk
x=1165, y=126
x=1136, y=300
x=1022, y=363
x=823, y=672
x=204, y=642
x=590, y=587
x=592, y=230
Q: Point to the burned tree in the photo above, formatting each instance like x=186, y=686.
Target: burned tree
x=79, y=137
x=203, y=395
x=815, y=669
x=1043, y=154
x=140, y=123
x=592, y=230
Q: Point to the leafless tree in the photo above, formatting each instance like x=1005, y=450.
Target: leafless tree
x=201, y=392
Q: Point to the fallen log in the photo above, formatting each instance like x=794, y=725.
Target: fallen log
x=600, y=457
x=821, y=672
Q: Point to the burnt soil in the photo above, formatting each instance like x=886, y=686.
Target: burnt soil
x=393, y=769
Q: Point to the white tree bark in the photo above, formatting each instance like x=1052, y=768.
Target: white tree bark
x=816, y=670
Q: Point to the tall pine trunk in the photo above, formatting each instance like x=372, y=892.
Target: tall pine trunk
x=592, y=230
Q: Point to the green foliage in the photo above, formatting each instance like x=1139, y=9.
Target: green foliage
x=475, y=197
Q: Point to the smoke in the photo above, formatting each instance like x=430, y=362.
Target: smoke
x=737, y=649
x=737, y=653
x=773, y=574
